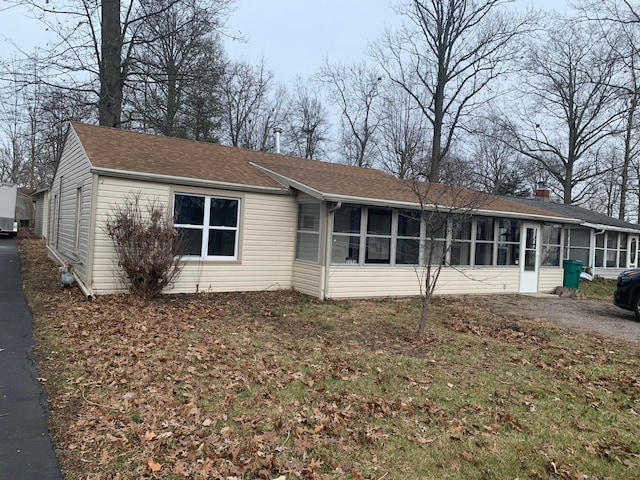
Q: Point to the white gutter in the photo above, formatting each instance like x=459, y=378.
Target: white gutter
x=600, y=226
x=155, y=177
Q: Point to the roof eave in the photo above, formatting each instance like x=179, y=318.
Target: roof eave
x=600, y=226
x=186, y=181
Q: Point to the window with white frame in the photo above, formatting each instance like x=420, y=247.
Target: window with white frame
x=345, y=247
x=208, y=225
x=551, y=244
x=308, y=234
x=508, y=240
x=611, y=249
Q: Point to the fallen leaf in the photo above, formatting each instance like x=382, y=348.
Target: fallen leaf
x=155, y=467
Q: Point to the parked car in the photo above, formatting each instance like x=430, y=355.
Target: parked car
x=627, y=294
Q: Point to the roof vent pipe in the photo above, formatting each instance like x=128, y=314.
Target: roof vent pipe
x=277, y=131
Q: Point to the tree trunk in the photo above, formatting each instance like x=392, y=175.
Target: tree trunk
x=627, y=156
x=111, y=81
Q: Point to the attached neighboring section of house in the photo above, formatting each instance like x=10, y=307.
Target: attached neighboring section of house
x=260, y=221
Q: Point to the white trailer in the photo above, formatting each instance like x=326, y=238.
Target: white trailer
x=8, y=195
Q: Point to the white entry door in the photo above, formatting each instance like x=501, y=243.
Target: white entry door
x=529, y=258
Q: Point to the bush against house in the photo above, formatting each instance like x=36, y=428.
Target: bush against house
x=148, y=247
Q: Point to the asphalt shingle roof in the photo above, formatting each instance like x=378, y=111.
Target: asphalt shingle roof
x=127, y=151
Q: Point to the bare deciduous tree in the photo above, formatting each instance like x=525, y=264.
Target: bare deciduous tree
x=569, y=104
x=307, y=123
x=355, y=90
x=446, y=58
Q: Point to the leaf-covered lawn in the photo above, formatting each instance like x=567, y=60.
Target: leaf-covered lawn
x=274, y=385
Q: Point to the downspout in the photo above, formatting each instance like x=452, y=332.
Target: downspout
x=327, y=250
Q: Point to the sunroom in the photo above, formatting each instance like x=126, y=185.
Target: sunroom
x=366, y=250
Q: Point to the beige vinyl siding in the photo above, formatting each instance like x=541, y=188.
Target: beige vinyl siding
x=73, y=172
x=265, y=254
x=265, y=249
x=112, y=192
x=549, y=279
x=363, y=282
x=307, y=277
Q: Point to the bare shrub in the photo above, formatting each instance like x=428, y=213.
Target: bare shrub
x=147, y=245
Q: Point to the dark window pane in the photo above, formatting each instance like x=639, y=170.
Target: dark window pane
x=379, y=221
x=408, y=223
x=224, y=212
x=222, y=243
x=484, y=230
x=612, y=239
x=484, y=254
x=192, y=239
x=508, y=230
x=436, y=225
x=347, y=219
x=189, y=210
x=460, y=253
x=462, y=229
x=407, y=251
x=582, y=254
x=378, y=250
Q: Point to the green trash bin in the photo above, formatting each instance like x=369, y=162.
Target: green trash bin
x=572, y=271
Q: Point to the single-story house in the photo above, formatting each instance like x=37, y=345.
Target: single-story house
x=258, y=221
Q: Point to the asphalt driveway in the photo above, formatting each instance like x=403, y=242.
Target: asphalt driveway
x=26, y=451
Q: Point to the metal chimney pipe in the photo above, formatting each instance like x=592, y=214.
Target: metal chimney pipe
x=277, y=131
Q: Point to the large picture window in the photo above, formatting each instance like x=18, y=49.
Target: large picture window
x=208, y=225
x=308, y=234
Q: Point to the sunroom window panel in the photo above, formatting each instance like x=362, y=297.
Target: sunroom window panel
x=309, y=217
x=484, y=229
x=550, y=256
x=508, y=254
x=378, y=222
x=434, y=252
x=580, y=237
x=461, y=253
x=408, y=223
x=484, y=254
x=189, y=210
x=347, y=219
x=307, y=246
x=345, y=249
x=407, y=251
x=378, y=250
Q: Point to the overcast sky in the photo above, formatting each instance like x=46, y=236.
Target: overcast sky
x=293, y=36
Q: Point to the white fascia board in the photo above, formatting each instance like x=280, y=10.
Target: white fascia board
x=599, y=226
x=193, y=182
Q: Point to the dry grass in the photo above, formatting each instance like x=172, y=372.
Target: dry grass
x=276, y=385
